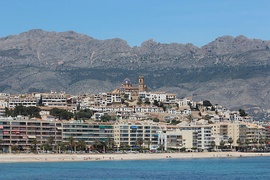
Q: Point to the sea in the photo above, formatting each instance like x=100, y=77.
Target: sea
x=240, y=168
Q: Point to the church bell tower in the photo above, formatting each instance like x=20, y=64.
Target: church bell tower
x=141, y=83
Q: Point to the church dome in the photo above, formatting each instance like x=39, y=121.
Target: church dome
x=126, y=81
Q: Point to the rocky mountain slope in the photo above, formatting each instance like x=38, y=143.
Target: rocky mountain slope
x=229, y=71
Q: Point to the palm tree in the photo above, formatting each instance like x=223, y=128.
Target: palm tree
x=81, y=145
x=261, y=141
x=230, y=141
x=96, y=144
x=1, y=145
x=239, y=142
x=34, y=144
x=124, y=146
x=62, y=146
x=104, y=146
x=110, y=143
x=213, y=144
x=99, y=145
x=247, y=142
x=266, y=142
x=140, y=142
x=254, y=142
x=71, y=143
x=148, y=144
x=222, y=143
x=50, y=141
x=161, y=147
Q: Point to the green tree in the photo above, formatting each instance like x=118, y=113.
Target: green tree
x=8, y=112
x=78, y=107
x=25, y=111
x=155, y=119
x=207, y=103
x=33, y=111
x=156, y=103
x=254, y=142
x=139, y=102
x=239, y=142
x=261, y=141
x=222, y=143
x=97, y=145
x=50, y=142
x=84, y=114
x=140, y=142
x=161, y=147
x=81, y=145
x=15, y=148
x=242, y=112
x=1, y=145
x=266, y=141
x=148, y=144
x=174, y=122
x=124, y=146
x=19, y=110
x=213, y=144
x=34, y=143
x=72, y=143
x=163, y=106
x=230, y=141
x=40, y=102
x=105, y=118
x=110, y=143
x=247, y=143
x=61, y=113
x=146, y=101
x=126, y=96
x=62, y=146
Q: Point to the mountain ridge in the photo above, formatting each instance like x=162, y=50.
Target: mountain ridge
x=233, y=71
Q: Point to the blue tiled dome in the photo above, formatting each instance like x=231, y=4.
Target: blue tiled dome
x=126, y=81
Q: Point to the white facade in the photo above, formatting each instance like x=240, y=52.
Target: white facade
x=201, y=136
x=183, y=102
x=22, y=100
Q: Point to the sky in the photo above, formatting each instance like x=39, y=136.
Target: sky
x=135, y=21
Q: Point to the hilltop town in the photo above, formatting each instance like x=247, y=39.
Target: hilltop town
x=129, y=118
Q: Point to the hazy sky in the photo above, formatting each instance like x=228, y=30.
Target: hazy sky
x=182, y=21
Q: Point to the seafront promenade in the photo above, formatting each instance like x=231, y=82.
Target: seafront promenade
x=14, y=158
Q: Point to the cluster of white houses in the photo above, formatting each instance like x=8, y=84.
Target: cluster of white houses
x=202, y=129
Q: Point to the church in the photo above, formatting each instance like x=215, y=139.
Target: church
x=128, y=88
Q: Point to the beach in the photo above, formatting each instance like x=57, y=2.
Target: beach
x=14, y=158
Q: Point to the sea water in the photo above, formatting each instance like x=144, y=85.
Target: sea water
x=208, y=168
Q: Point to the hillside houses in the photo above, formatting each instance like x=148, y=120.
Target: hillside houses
x=127, y=115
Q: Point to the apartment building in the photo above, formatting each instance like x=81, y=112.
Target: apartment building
x=184, y=102
x=22, y=132
x=26, y=100
x=170, y=97
x=53, y=99
x=4, y=96
x=88, y=132
x=225, y=130
x=254, y=133
x=131, y=132
x=197, y=136
x=3, y=106
x=170, y=139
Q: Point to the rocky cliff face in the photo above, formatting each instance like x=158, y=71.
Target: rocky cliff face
x=228, y=71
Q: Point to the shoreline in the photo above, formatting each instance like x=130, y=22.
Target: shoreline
x=17, y=158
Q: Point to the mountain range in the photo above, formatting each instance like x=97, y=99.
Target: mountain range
x=230, y=71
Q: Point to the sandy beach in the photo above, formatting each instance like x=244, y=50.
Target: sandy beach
x=7, y=158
